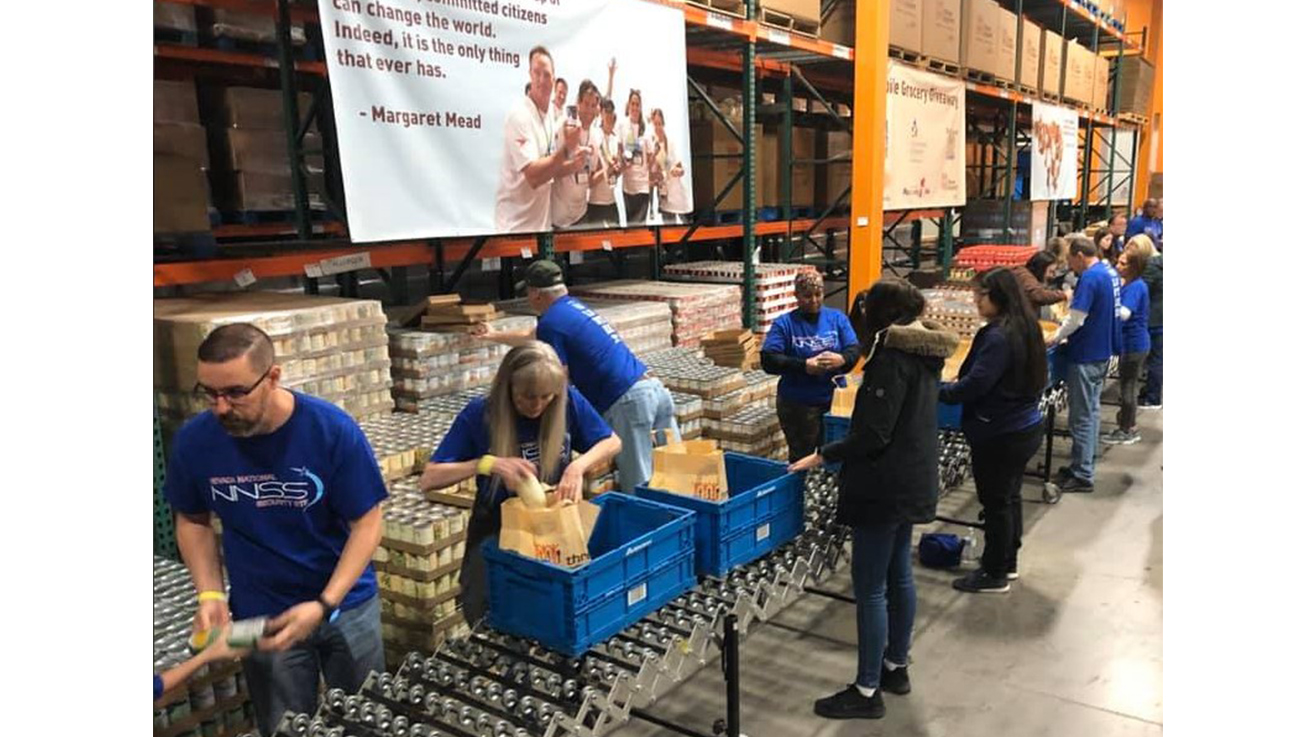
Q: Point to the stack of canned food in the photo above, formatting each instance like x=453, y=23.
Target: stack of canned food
x=642, y=326
x=697, y=309
x=403, y=443
x=427, y=364
x=689, y=414
x=774, y=284
x=449, y=404
x=215, y=700
x=752, y=430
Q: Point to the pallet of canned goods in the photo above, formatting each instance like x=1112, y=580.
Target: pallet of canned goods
x=774, y=284
x=753, y=431
x=213, y=701
x=954, y=309
x=705, y=381
x=446, y=404
x=403, y=442
x=697, y=309
x=689, y=414
x=427, y=364
x=642, y=326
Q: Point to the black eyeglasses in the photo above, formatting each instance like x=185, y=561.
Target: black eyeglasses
x=232, y=394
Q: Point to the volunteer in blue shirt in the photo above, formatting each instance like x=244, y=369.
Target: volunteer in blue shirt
x=1093, y=332
x=1000, y=385
x=297, y=490
x=526, y=427
x=1149, y=222
x=807, y=347
x=601, y=367
x=1134, y=310
x=216, y=651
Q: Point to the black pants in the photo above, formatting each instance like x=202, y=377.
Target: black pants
x=802, y=426
x=603, y=216
x=1130, y=366
x=637, y=208
x=998, y=472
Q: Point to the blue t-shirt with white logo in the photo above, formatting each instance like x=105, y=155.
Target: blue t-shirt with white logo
x=601, y=365
x=468, y=438
x=1136, y=337
x=1098, y=295
x=285, y=501
x=795, y=336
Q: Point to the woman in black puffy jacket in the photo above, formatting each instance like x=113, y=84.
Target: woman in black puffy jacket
x=888, y=484
x=1000, y=385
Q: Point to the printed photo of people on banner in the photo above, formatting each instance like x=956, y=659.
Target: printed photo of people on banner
x=490, y=118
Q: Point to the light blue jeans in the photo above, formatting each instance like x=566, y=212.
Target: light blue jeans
x=645, y=407
x=345, y=651
x=885, y=599
x=1085, y=381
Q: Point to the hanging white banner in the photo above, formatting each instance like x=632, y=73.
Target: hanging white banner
x=924, y=140
x=1054, y=170
x=474, y=117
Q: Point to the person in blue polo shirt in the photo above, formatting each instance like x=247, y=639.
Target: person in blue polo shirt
x=807, y=347
x=1094, y=335
x=1149, y=222
x=526, y=427
x=297, y=489
x=601, y=367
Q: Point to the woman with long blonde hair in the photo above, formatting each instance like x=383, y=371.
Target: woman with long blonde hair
x=526, y=427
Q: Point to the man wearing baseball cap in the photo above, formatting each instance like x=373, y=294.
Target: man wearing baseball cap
x=601, y=367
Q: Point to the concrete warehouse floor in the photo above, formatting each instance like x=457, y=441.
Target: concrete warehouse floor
x=1074, y=650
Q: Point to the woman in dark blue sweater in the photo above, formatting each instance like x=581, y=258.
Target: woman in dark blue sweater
x=1000, y=385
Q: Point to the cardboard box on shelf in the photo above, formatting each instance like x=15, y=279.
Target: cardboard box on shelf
x=1137, y=76
x=805, y=10
x=175, y=102
x=266, y=151
x=1071, y=85
x=264, y=191
x=803, y=145
x=838, y=24
x=180, y=195
x=253, y=107
x=1101, y=83
x=837, y=178
x=712, y=175
x=907, y=25
x=979, y=46
x=175, y=17
x=941, y=30
x=1029, y=73
x=187, y=140
x=1007, y=33
x=1053, y=52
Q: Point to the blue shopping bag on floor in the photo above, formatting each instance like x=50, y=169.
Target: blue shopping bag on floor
x=940, y=550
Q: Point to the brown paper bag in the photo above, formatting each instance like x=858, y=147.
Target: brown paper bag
x=847, y=387
x=558, y=533
x=694, y=467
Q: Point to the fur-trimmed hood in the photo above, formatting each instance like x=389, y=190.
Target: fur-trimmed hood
x=923, y=338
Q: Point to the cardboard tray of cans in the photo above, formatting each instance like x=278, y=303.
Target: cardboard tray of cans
x=418, y=526
x=419, y=594
x=749, y=425
x=642, y=326
x=674, y=357
x=688, y=406
x=403, y=443
x=429, y=638
x=403, y=613
x=705, y=381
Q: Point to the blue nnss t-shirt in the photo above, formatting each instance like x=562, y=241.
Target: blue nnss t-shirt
x=468, y=438
x=1098, y=294
x=284, y=499
x=795, y=336
x=1136, y=337
x=601, y=365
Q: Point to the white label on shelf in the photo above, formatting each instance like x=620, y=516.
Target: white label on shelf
x=841, y=52
x=779, y=37
x=244, y=278
x=862, y=221
x=525, y=252
x=313, y=270
x=575, y=257
x=342, y=264
x=491, y=264
x=607, y=245
x=637, y=594
x=717, y=20
x=763, y=532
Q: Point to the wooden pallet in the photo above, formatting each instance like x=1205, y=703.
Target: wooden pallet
x=973, y=75
x=895, y=52
x=945, y=67
x=729, y=7
x=788, y=22
x=1049, y=97
x=1030, y=91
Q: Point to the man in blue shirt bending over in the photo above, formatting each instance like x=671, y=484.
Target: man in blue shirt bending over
x=807, y=347
x=601, y=367
x=297, y=489
x=1094, y=335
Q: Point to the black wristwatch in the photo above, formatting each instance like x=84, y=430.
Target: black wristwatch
x=328, y=609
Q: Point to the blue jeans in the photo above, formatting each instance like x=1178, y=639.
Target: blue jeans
x=1151, y=390
x=1085, y=381
x=883, y=578
x=645, y=407
x=345, y=651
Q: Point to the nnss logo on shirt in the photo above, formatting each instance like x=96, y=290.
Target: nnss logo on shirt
x=269, y=490
x=821, y=342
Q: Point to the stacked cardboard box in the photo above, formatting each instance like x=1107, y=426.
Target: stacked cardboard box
x=255, y=173
x=446, y=313
x=1101, y=83
x=1053, y=54
x=979, y=45
x=711, y=176
x=418, y=565
x=1137, y=76
x=335, y=349
x=697, y=309
x=774, y=284
x=181, y=192
x=256, y=28
x=175, y=17
x=1079, y=64
x=689, y=414
x=1007, y=35
x=941, y=30
x=906, y=18
x=733, y=348
x=427, y=364
x=1031, y=70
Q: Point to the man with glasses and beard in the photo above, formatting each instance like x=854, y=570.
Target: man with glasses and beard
x=297, y=490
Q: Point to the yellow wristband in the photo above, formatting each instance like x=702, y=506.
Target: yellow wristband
x=211, y=596
x=485, y=466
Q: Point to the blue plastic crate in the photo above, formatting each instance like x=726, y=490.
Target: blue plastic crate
x=642, y=555
x=764, y=510
x=834, y=428
x=949, y=416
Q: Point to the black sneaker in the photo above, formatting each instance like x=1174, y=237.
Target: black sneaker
x=896, y=681
x=850, y=704
x=1148, y=405
x=1074, y=485
x=1064, y=473
x=979, y=582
